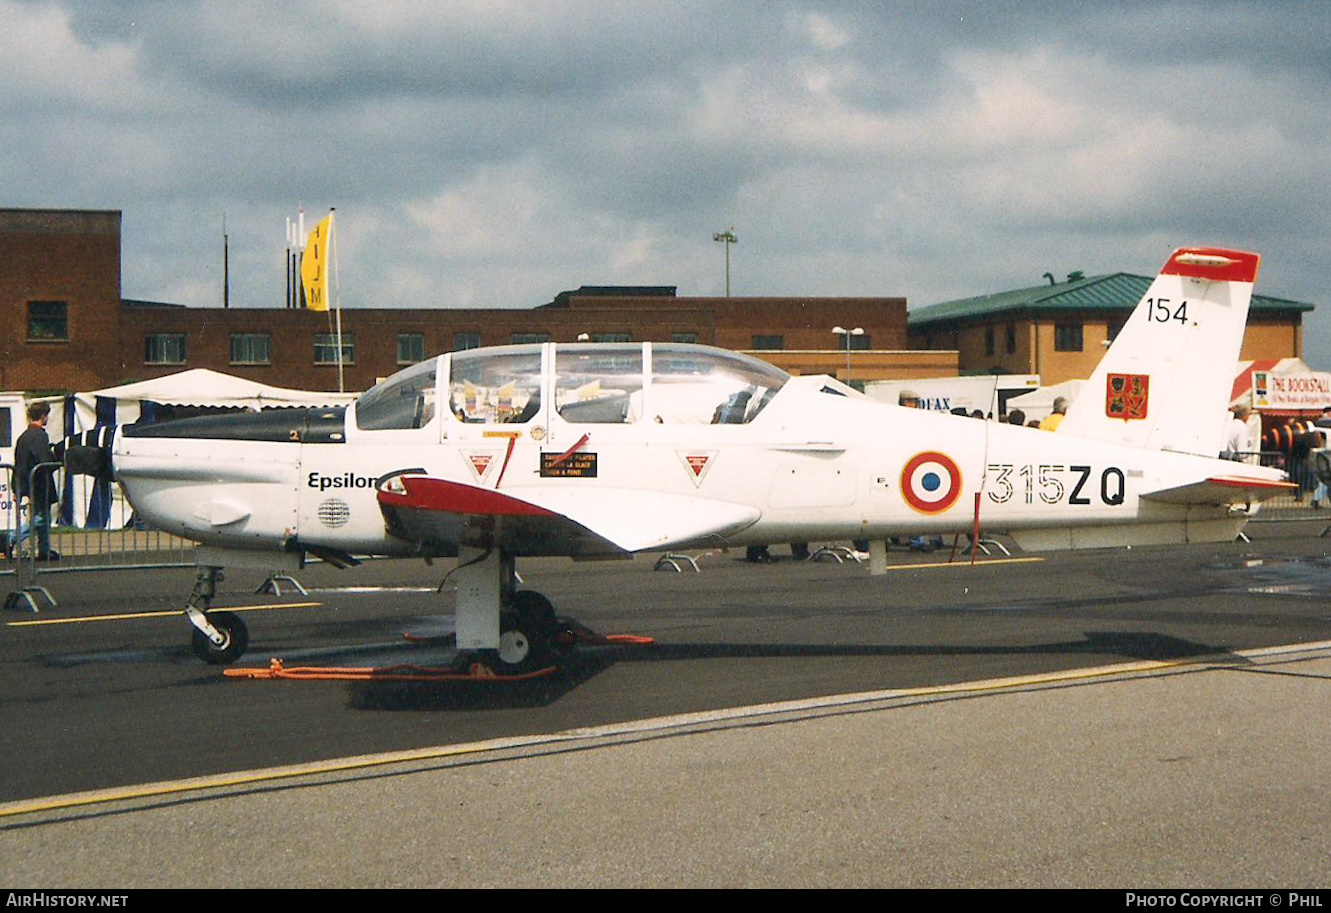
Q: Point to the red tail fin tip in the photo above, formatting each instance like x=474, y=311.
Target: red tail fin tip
x=1213, y=263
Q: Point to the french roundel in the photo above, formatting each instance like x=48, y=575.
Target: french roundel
x=931, y=482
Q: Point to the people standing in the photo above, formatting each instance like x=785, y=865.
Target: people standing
x=31, y=450
x=1051, y=421
x=1238, y=439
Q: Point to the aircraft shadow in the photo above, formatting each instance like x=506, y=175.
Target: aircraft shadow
x=587, y=663
x=1129, y=645
x=478, y=695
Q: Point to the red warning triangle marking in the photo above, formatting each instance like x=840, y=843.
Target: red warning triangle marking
x=479, y=463
x=697, y=464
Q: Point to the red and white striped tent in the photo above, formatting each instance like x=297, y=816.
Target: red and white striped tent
x=1281, y=387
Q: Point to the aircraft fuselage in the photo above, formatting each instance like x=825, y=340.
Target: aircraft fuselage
x=819, y=462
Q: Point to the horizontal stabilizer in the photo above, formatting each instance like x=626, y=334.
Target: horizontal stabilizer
x=1223, y=490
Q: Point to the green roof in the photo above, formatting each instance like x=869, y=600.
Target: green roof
x=1110, y=292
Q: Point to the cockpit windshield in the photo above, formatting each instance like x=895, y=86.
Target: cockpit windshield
x=496, y=385
x=599, y=383
x=696, y=385
x=405, y=400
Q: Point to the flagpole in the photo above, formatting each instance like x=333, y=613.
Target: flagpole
x=226, y=267
x=299, y=301
x=337, y=296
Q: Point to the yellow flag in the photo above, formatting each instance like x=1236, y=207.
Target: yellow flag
x=314, y=266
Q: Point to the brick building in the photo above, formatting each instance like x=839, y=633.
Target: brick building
x=1059, y=330
x=60, y=284
x=60, y=294
x=71, y=329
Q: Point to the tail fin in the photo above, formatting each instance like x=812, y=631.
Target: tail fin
x=1165, y=382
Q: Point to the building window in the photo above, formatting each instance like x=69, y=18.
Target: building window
x=48, y=321
x=464, y=341
x=859, y=342
x=325, y=348
x=612, y=337
x=522, y=338
x=250, y=349
x=769, y=342
x=6, y=427
x=410, y=348
x=1011, y=338
x=684, y=337
x=988, y=340
x=1115, y=327
x=164, y=349
x=1067, y=337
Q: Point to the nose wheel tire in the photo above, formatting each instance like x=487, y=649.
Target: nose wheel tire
x=235, y=640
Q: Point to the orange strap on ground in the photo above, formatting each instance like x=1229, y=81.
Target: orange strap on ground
x=572, y=633
x=477, y=673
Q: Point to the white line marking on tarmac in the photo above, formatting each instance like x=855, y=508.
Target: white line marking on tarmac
x=982, y=561
x=129, y=616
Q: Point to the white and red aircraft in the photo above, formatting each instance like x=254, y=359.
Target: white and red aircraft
x=603, y=450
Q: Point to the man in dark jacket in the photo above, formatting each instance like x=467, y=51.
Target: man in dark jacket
x=33, y=448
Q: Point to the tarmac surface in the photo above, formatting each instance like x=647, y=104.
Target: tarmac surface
x=1133, y=718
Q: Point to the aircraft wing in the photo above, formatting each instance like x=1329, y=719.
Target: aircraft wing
x=1222, y=490
x=559, y=521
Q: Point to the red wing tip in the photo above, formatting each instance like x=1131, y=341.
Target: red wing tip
x=1215, y=263
x=1258, y=484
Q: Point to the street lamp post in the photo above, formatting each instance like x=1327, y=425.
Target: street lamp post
x=727, y=238
x=842, y=331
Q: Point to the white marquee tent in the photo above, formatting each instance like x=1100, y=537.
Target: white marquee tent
x=196, y=387
x=123, y=405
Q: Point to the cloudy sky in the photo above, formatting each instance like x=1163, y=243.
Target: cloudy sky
x=493, y=153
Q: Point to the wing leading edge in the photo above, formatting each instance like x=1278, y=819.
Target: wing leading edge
x=559, y=522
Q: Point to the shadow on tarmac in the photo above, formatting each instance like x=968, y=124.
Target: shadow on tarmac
x=586, y=664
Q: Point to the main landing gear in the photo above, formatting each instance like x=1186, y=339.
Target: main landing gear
x=527, y=629
x=507, y=630
x=500, y=627
x=220, y=638
x=502, y=632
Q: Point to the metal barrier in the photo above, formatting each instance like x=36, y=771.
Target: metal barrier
x=73, y=548
x=25, y=566
x=1310, y=502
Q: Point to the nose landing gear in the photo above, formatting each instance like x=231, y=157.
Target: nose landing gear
x=220, y=638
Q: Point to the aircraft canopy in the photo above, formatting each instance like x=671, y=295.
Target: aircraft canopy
x=598, y=383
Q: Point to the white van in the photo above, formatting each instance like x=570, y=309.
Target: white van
x=13, y=419
x=987, y=392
